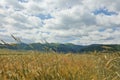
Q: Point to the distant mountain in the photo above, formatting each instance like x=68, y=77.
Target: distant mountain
x=102, y=47
x=56, y=47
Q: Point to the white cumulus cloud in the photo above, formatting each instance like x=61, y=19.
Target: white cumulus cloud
x=64, y=21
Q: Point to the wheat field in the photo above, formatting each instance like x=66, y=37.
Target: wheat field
x=33, y=65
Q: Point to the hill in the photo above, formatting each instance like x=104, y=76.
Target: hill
x=57, y=47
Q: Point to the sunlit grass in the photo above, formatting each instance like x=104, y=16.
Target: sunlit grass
x=33, y=65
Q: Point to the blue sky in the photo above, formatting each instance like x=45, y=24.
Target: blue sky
x=81, y=22
x=104, y=11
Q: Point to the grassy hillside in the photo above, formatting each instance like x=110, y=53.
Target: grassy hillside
x=32, y=65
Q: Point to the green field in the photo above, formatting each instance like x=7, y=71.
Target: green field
x=33, y=65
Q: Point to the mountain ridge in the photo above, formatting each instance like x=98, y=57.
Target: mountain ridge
x=59, y=47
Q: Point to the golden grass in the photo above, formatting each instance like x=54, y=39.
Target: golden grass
x=32, y=65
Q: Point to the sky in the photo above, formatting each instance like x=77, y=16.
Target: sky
x=80, y=22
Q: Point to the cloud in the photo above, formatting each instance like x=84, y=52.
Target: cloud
x=64, y=21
